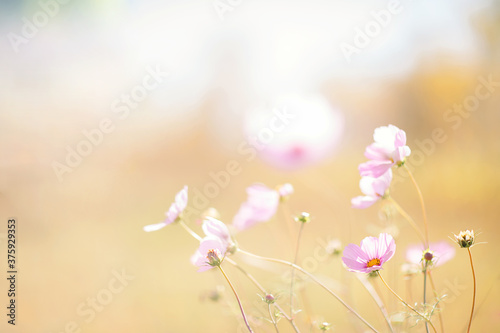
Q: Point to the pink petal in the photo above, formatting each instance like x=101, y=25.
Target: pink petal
x=154, y=227
x=374, y=168
x=414, y=253
x=369, y=245
x=400, y=138
x=214, y=227
x=354, y=252
x=355, y=266
x=361, y=202
x=181, y=199
x=382, y=183
x=366, y=186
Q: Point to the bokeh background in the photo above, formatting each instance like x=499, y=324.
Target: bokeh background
x=226, y=68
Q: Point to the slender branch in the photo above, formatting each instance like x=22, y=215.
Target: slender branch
x=237, y=298
x=312, y=277
x=293, y=270
x=189, y=230
x=259, y=286
x=373, y=293
x=421, y=198
x=408, y=218
x=272, y=318
x=425, y=292
x=407, y=305
x=474, y=294
x=434, y=290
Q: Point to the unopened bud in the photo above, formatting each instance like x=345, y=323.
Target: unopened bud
x=303, y=218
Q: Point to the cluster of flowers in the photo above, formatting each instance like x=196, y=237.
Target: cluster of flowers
x=388, y=150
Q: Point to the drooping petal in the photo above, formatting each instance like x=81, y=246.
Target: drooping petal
x=154, y=227
x=175, y=209
x=374, y=168
x=362, y=202
x=382, y=183
x=262, y=203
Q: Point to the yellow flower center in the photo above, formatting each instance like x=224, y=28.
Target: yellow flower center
x=373, y=262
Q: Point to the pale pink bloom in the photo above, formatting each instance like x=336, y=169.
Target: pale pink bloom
x=373, y=189
x=295, y=130
x=388, y=149
x=262, y=203
x=211, y=253
x=285, y=190
x=173, y=212
x=215, y=228
x=372, y=254
x=441, y=253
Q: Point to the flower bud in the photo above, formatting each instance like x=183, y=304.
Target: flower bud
x=269, y=299
x=303, y=218
x=428, y=255
x=465, y=238
x=214, y=257
x=325, y=326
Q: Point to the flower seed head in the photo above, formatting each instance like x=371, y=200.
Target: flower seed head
x=325, y=326
x=428, y=255
x=465, y=238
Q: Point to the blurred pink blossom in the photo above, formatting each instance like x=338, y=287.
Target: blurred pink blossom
x=173, y=212
x=442, y=252
x=262, y=203
x=373, y=189
x=372, y=254
x=295, y=131
x=210, y=253
x=388, y=149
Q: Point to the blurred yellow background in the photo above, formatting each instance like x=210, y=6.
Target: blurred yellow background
x=205, y=67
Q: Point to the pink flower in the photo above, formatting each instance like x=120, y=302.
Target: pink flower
x=285, y=190
x=262, y=203
x=372, y=254
x=295, y=130
x=211, y=253
x=440, y=253
x=173, y=212
x=215, y=228
x=388, y=149
x=373, y=189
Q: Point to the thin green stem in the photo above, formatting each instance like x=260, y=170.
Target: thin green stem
x=237, y=298
x=431, y=280
x=272, y=317
x=189, y=230
x=373, y=293
x=421, y=198
x=407, y=305
x=425, y=292
x=312, y=277
x=409, y=219
x=261, y=288
x=474, y=294
x=293, y=270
